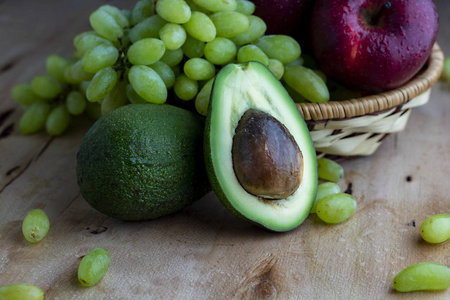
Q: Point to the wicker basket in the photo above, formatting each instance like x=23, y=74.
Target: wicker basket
x=358, y=126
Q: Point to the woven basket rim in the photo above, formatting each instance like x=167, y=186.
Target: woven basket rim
x=424, y=80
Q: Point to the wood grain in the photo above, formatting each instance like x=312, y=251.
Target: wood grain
x=204, y=252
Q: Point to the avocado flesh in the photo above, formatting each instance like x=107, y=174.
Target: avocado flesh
x=238, y=88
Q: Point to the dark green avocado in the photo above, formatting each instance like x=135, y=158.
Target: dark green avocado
x=259, y=155
x=143, y=161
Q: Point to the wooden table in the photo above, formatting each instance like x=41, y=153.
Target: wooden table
x=204, y=252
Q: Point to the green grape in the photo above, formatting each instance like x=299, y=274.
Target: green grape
x=336, y=208
x=172, y=57
x=185, y=88
x=220, y=51
x=199, y=69
x=75, y=103
x=298, y=98
x=252, y=53
x=127, y=13
x=281, y=47
x=93, y=266
x=23, y=93
x=217, y=5
x=100, y=57
x=88, y=40
x=58, y=120
x=55, y=66
x=173, y=36
x=309, y=62
x=323, y=190
x=445, y=75
x=436, y=228
x=307, y=83
x=34, y=117
x=298, y=61
x=68, y=75
x=329, y=170
x=230, y=23
x=195, y=7
x=105, y=25
x=142, y=9
x=117, y=14
x=46, y=87
x=193, y=48
x=78, y=74
x=83, y=86
x=147, y=28
x=321, y=75
x=146, y=51
x=21, y=291
x=35, y=225
x=93, y=110
x=425, y=276
x=338, y=92
x=102, y=83
x=276, y=67
x=133, y=96
x=115, y=99
x=200, y=27
x=256, y=30
x=173, y=11
x=165, y=72
x=148, y=84
x=202, y=99
x=245, y=7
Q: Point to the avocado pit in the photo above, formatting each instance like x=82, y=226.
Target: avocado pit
x=266, y=158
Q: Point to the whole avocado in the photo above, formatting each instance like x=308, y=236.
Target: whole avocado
x=143, y=161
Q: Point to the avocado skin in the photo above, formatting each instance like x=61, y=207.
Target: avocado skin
x=143, y=161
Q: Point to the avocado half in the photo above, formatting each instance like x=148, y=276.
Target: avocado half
x=259, y=155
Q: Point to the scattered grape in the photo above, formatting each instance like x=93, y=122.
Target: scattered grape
x=21, y=291
x=436, y=228
x=323, y=190
x=336, y=208
x=23, y=93
x=422, y=276
x=93, y=266
x=329, y=169
x=35, y=225
x=100, y=57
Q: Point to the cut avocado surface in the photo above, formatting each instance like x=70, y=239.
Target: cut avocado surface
x=248, y=102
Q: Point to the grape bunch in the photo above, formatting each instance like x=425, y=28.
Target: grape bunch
x=156, y=52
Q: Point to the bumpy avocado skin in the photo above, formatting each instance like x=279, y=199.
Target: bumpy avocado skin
x=143, y=161
x=222, y=192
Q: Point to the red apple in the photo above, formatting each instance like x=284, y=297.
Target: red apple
x=373, y=45
x=290, y=17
